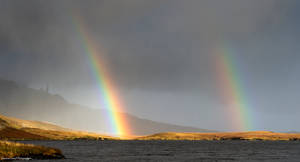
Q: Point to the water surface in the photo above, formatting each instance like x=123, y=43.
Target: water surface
x=175, y=150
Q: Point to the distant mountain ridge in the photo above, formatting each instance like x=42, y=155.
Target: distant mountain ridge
x=31, y=104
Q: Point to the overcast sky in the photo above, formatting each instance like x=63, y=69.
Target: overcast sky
x=160, y=55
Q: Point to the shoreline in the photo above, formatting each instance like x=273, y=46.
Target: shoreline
x=13, y=150
x=219, y=136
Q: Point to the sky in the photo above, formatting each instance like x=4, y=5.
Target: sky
x=161, y=55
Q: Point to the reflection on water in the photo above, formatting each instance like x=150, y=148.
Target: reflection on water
x=175, y=150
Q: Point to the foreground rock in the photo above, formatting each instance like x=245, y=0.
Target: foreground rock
x=255, y=135
x=18, y=151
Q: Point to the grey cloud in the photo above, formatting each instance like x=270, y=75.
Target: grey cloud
x=155, y=47
x=148, y=42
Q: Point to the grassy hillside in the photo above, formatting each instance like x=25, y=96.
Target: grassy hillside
x=19, y=123
x=17, y=129
x=257, y=135
x=14, y=150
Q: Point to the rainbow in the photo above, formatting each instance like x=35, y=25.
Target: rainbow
x=106, y=86
x=230, y=83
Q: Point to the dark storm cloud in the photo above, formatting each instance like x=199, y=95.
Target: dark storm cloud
x=149, y=44
x=170, y=46
x=156, y=47
x=40, y=41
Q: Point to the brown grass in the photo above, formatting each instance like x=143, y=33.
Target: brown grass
x=19, y=123
x=17, y=129
x=67, y=135
x=15, y=134
x=13, y=150
x=39, y=134
x=257, y=135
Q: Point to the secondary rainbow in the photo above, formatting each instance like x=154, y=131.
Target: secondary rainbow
x=106, y=86
x=233, y=93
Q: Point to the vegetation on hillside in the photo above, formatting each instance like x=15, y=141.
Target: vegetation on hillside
x=14, y=150
x=17, y=129
x=255, y=135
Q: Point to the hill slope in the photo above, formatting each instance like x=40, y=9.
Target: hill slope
x=17, y=129
x=255, y=135
x=31, y=104
x=19, y=123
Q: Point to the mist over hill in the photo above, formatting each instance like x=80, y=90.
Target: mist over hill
x=31, y=104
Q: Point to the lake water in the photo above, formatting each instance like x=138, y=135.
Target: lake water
x=175, y=150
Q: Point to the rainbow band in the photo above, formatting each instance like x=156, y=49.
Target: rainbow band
x=105, y=84
x=232, y=89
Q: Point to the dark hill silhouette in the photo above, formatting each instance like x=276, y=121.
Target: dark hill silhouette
x=31, y=104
